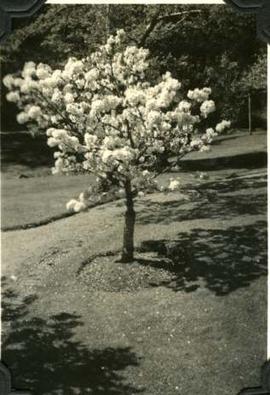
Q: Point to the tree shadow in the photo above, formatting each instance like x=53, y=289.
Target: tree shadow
x=44, y=357
x=232, y=184
x=220, y=200
x=252, y=160
x=220, y=260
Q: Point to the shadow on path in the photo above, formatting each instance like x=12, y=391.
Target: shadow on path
x=220, y=260
x=251, y=160
x=217, y=200
x=44, y=357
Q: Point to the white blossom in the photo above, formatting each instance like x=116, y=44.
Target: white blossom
x=8, y=81
x=207, y=107
x=184, y=106
x=22, y=117
x=43, y=71
x=71, y=204
x=69, y=98
x=220, y=127
x=57, y=96
x=103, y=117
x=29, y=70
x=34, y=112
x=13, y=96
x=174, y=184
x=199, y=95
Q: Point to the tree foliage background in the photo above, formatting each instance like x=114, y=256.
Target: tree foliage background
x=206, y=45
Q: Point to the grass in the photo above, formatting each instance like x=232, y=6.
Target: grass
x=98, y=330
x=41, y=199
x=188, y=317
x=237, y=143
x=37, y=199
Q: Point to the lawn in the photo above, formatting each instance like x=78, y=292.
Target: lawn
x=187, y=317
x=28, y=201
x=38, y=199
x=181, y=319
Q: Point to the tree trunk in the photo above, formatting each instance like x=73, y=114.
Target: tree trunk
x=130, y=215
x=249, y=114
x=108, y=22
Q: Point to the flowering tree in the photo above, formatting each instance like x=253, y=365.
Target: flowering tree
x=105, y=118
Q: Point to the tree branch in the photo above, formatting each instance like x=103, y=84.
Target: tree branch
x=167, y=168
x=64, y=117
x=149, y=28
x=156, y=19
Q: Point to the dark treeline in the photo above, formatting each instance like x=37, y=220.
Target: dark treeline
x=206, y=45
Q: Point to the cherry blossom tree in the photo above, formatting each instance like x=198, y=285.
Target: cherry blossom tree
x=103, y=117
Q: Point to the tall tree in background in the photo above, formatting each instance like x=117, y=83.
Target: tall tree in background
x=201, y=45
x=253, y=82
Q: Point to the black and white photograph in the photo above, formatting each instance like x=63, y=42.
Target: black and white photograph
x=134, y=199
